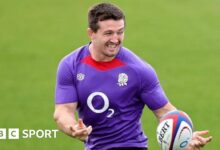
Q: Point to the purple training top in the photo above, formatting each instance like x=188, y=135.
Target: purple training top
x=110, y=96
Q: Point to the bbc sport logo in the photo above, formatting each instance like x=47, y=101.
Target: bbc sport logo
x=2, y=133
x=14, y=133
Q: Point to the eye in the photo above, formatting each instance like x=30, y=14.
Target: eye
x=120, y=32
x=107, y=33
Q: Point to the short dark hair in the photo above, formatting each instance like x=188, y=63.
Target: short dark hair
x=101, y=12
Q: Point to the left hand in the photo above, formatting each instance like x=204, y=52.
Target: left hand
x=198, y=140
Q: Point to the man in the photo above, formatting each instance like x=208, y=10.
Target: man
x=109, y=86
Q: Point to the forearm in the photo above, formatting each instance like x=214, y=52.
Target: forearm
x=162, y=111
x=64, y=117
x=64, y=122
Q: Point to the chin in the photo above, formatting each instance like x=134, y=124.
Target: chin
x=111, y=54
x=114, y=52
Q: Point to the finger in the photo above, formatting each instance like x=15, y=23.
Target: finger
x=84, y=138
x=204, y=140
x=72, y=129
x=201, y=133
x=209, y=139
x=89, y=130
x=81, y=132
x=77, y=132
x=195, y=143
x=80, y=123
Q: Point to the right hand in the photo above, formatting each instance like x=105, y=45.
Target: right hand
x=80, y=131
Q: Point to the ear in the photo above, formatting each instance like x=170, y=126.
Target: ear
x=90, y=33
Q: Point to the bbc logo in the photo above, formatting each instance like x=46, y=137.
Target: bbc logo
x=13, y=133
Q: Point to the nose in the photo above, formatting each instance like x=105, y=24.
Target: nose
x=115, y=38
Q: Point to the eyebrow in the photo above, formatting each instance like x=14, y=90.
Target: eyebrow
x=121, y=29
x=116, y=31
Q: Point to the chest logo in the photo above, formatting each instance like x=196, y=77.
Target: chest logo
x=80, y=76
x=122, y=79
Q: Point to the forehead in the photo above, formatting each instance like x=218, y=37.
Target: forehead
x=111, y=25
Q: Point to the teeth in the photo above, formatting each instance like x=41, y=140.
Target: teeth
x=112, y=46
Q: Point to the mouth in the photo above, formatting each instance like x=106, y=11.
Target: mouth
x=112, y=46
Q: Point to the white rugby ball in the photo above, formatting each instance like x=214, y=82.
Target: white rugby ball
x=174, y=131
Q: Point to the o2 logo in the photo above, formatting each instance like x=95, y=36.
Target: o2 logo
x=104, y=108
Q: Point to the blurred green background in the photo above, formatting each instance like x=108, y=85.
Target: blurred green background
x=181, y=39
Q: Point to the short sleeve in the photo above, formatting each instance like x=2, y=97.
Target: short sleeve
x=152, y=94
x=65, y=91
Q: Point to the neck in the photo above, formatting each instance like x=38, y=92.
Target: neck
x=97, y=56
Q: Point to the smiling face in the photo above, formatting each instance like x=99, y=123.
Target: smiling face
x=107, y=40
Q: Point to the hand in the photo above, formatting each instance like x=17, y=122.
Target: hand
x=198, y=140
x=80, y=131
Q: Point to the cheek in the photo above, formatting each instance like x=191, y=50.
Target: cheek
x=100, y=41
x=122, y=37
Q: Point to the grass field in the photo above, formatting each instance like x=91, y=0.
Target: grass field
x=181, y=39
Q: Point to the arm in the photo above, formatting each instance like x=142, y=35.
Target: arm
x=154, y=97
x=162, y=111
x=65, y=119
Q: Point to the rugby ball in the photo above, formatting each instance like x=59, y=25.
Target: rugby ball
x=174, y=131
